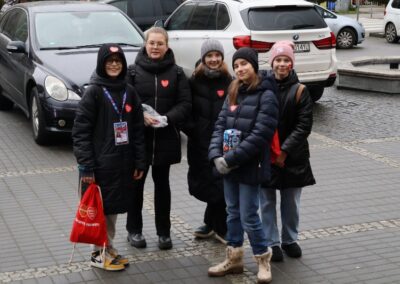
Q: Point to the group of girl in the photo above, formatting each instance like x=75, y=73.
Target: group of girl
x=230, y=124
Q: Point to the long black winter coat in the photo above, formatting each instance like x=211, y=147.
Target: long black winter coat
x=294, y=127
x=208, y=96
x=163, y=86
x=256, y=115
x=94, y=142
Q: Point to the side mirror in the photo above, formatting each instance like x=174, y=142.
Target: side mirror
x=159, y=23
x=16, y=47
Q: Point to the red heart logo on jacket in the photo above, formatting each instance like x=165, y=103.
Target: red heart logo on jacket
x=233, y=108
x=128, y=108
x=220, y=93
x=164, y=83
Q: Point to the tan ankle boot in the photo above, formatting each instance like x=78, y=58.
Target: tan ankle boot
x=232, y=264
x=264, y=268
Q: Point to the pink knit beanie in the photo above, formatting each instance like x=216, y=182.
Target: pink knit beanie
x=284, y=47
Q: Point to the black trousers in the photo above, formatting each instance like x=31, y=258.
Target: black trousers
x=162, y=202
x=215, y=217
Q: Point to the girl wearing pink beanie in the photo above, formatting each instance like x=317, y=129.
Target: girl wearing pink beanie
x=292, y=169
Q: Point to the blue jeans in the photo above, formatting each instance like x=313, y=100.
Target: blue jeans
x=290, y=209
x=242, y=203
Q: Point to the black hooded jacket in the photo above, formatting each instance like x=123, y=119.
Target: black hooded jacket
x=208, y=97
x=294, y=127
x=93, y=135
x=256, y=116
x=162, y=85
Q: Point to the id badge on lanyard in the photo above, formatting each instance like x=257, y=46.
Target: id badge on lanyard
x=121, y=135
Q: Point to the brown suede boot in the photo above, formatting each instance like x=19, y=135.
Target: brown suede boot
x=231, y=265
x=264, y=268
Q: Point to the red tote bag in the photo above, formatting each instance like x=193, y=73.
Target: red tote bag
x=89, y=225
x=275, y=147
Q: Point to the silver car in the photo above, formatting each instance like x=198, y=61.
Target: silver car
x=348, y=31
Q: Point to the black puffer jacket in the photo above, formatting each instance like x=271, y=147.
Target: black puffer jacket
x=163, y=86
x=256, y=115
x=294, y=127
x=208, y=96
x=94, y=142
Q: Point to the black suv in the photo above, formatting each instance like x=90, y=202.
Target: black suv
x=145, y=12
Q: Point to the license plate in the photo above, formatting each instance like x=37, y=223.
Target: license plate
x=301, y=47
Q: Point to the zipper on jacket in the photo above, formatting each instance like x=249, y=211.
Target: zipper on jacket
x=155, y=108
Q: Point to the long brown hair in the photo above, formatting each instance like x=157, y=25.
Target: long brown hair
x=233, y=89
x=200, y=69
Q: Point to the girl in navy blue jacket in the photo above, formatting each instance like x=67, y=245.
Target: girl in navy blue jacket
x=239, y=148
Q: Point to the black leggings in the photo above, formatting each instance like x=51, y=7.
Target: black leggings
x=162, y=202
x=215, y=217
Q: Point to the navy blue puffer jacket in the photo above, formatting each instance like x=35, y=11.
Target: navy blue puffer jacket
x=256, y=116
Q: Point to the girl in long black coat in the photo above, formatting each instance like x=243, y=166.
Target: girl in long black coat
x=209, y=86
x=162, y=85
x=108, y=142
x=292, y=170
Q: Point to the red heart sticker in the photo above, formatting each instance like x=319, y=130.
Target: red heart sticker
x=128, y=108
x=164, y=83
x=234, y=107
x=113, y=49
x=220, y=93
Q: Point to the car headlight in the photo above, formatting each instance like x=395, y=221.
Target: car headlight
x=73, y=96
x=56, y=88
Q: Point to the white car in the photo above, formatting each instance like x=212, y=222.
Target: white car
x=392, y=21
x=257, y=24
x=348, y=31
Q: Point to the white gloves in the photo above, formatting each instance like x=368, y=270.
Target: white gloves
x=222, y=166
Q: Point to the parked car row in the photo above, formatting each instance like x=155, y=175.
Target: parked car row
x=48, y=49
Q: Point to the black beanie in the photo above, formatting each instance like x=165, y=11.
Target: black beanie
x=105, y=51
x=249, y=55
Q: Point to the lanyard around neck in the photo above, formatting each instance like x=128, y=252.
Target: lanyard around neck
x=108, y=95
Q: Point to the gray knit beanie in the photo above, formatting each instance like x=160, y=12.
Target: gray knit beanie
x=211, y=45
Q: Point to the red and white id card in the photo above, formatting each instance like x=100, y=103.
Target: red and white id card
x=121, y=133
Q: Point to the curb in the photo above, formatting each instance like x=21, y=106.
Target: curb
x=377, y=34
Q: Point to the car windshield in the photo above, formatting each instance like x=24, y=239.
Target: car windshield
x=68, y=30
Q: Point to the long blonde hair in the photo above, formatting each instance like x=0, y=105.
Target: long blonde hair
x=233, y=89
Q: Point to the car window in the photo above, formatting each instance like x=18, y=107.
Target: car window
x=16, y=27
x=143, y=8
x=181, y=17
x=222, y=17
x=283, y=18
x=203, y=18
x=396, y=4
x=122, y=5
x=73, y=29
x=168, y=6
x=325, y=14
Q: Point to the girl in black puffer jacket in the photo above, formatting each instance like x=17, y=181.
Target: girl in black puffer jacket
x=209, y=87
x=162, y=85
x=292, y=169
x=108, y=141
x=251, y=112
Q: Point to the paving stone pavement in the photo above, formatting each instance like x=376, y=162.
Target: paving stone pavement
x=350, y=220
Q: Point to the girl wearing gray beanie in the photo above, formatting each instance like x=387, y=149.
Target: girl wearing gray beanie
x=209, y=87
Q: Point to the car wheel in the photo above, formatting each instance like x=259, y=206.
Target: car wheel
x=40, y=135
x=315, y=92
x=5, y=103
x=346, y=38
x=391, y=33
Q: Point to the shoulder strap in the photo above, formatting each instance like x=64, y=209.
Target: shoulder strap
x=299, y=92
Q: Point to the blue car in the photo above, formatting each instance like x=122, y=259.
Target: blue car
x=348, y=31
